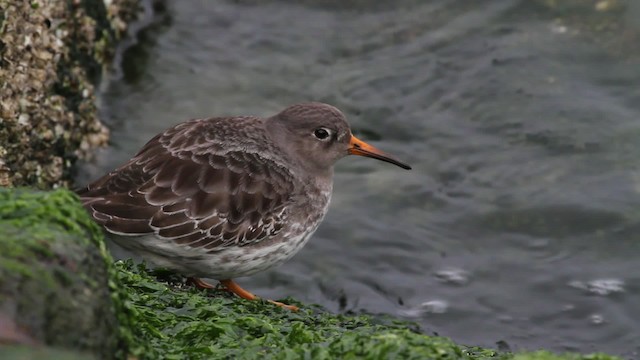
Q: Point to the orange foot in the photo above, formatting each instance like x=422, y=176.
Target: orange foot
x=236, y=289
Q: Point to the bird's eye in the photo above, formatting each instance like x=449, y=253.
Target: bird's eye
x=321, y=133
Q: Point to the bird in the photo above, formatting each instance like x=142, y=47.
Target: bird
x=227, y=197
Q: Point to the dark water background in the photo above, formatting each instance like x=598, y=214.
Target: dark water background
x=521, y=219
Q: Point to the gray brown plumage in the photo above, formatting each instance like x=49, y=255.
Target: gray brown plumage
x=227, y=197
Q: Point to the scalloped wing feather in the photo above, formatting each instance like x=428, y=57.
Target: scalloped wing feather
x=178, y=189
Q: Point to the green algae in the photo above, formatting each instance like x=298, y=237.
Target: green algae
x=39, y=353
x=32, y=222
x=54, y=272
x=174, y=322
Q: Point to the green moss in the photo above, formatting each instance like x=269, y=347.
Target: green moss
x=33, y=221
x=22, y=207
x=54, y=272
x=39, y=353
x=174, y=321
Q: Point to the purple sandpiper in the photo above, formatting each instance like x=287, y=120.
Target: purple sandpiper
x=226, y=197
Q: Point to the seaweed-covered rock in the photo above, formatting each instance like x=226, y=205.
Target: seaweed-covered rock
x=174, y=321
x=54, y=274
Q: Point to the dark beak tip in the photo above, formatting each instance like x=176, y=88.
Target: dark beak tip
x=369, y=151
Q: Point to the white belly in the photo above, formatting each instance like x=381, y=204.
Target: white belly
x=229, y=263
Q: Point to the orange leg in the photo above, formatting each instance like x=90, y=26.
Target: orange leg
x=236, y=289
x=199, y=283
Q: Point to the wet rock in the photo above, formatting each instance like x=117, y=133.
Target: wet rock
x=54, y=275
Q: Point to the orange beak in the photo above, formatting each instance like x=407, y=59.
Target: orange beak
x=359, y=147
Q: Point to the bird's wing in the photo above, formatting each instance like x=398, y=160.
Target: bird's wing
x=195, y=198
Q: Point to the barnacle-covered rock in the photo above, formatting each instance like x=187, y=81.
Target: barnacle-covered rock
x=51, y=55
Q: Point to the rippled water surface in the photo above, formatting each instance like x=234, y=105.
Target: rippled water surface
x=520, y=220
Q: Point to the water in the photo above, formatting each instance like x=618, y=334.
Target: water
x=519, y=221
